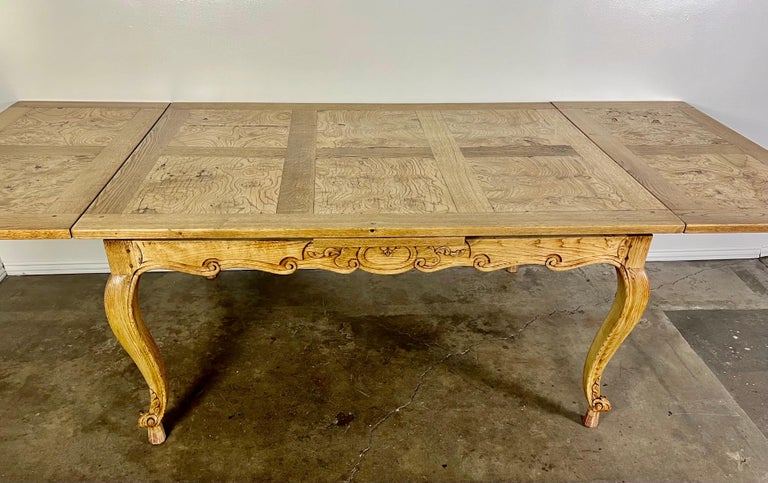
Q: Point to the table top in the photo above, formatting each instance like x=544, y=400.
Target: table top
x=713, y=178
x=362, y=170
x=55, y=157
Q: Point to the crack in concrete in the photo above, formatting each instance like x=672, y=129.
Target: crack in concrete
x=708, y=269
x=423, y=376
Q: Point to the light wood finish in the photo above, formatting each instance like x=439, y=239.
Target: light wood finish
x=243, y=226
x=130, y=259
x=297, y=190
x=464, y=186
x=56, y=157
x=628, y=306
x=121, y=302
x=326, y=170
x=714, y=179
x=380, y=188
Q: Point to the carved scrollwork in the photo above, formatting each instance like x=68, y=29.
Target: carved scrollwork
x=386, y=256
x=553, y=261
x=211, y=268
x=384, y=259
x=599, y=403
x=151, y=418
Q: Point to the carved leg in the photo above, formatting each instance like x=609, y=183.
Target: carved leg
x=631, y=298
x=122, y=307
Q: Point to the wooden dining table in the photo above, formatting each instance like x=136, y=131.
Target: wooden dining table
x=385, y=188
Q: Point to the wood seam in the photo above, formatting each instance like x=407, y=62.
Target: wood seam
x=620, y=165
x=459, y=178
x=104, y=187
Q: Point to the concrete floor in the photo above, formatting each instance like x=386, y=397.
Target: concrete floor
x=454, y=376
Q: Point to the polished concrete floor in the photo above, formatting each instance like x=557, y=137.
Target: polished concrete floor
x=454, y=376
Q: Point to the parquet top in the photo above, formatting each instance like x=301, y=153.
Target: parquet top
x=348, y=170
x=55, y=157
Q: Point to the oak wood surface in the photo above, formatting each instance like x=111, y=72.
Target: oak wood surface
x=243, y=170
x=713, y=178
x=55, y=157
x=334, y=170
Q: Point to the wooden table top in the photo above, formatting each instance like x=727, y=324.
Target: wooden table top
x=55, y=157
x=361, y=170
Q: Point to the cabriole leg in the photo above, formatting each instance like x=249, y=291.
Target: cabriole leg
x=122, y=307
x=631, y=298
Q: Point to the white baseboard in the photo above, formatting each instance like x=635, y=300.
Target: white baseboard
x=46, y=257
x=681, y=254
x=62, y=267
x=716, y=246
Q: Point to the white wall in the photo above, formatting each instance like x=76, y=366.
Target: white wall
x=710, y=53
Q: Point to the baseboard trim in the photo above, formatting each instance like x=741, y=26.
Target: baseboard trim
x=682, y=254
x=56, y=268
x=657, y=255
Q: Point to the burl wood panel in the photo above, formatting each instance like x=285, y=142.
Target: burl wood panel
x=323, y=170
x=714, y=179
x=55, y=157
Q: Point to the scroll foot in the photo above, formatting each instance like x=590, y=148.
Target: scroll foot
x=512, y=269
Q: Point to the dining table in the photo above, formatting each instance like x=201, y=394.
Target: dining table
x=384, y=188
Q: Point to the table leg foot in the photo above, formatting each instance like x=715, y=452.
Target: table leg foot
x=156, y=434
x=591, y=419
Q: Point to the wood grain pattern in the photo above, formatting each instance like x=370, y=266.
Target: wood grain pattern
x=201, y=185
x=527, y=223
x=56, y=158
x=747, y=146
x=711, y=177
x=518, y=151
x=570, y=174
x=121, y=303
x=238, y=128
x=369, y=128
x=297, y=194
x=375, y=152
x=350, y=169
x=632, y=294
x=547, y=184
x=653, y=126
x=24, y=179
x=380, y=185
x=67, y=126
x=511, y=132
x=128, y=180
x=461, y=181
x=520, y=128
